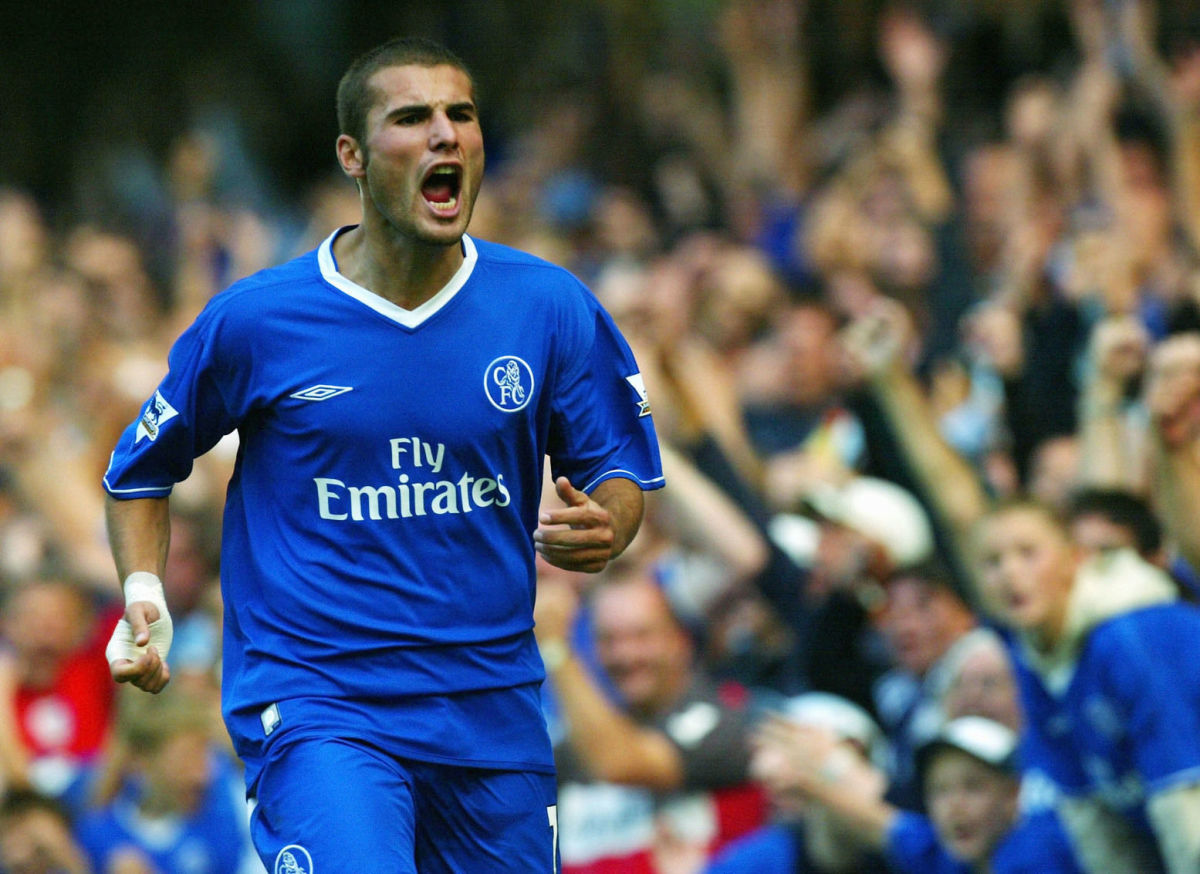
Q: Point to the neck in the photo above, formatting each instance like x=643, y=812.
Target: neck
x=1046, y=636
x=37, y=674
x=405, y=271
x=668, y=697
x=156, y=804
x=983, y=866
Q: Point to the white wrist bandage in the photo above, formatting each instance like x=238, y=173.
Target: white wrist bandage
x=142, y=586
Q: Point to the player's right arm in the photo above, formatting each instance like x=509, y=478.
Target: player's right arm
x=201, y=399
x=139, y=532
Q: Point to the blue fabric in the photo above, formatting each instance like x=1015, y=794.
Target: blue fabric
x=1128, y=723
x=772, y=849
x=390, y=816
x=913, y=848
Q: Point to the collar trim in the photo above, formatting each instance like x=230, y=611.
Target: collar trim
x=408, y=318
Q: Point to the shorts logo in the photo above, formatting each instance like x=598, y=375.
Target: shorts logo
x=321, y=392
x=508, y=383
x=293, y=859
x=156, y=414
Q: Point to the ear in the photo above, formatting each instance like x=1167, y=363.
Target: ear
x=351, y=156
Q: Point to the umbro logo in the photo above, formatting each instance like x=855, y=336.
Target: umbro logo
x=321, y=392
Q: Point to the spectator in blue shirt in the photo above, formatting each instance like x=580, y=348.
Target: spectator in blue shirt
x=175, y=802
x=971, y=788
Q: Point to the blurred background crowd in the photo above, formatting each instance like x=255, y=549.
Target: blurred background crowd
x=884, y=265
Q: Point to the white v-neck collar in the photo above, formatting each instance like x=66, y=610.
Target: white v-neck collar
x=409, y=318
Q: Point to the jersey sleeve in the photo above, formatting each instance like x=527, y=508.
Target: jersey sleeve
x=601, y=425
x=1152, y=673
x=184, y=418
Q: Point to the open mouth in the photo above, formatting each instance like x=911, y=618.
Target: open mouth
x=1017, y=601
x=441, y=188
x=963, y=835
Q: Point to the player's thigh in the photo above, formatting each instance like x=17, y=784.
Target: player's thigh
x=489, y=822
x=333, y=806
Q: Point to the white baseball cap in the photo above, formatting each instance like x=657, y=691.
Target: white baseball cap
x=980, y=738
x=842, y=717
x=878, y=509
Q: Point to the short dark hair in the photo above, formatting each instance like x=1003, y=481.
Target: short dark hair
x=354, y=96
x=18, y=802
x=933, y=572
x=1123, y=508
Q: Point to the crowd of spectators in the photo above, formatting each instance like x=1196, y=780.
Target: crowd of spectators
x=867, y=326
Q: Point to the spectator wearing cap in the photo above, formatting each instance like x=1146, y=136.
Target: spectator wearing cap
x=853, y=524
x=980, y=681
x=921, y=619
x=854, y=536
x=971, y=784
x=804, y=838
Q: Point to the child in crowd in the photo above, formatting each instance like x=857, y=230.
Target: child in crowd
x=174, y=796
x=1105, y=657
x=971, y=788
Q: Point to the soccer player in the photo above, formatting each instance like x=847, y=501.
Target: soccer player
x=396, y=392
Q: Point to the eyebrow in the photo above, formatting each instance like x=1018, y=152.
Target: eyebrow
x=425, y=108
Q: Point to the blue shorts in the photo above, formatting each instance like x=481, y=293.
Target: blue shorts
x=341, y=806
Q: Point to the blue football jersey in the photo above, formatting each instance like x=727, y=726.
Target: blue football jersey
x=1031, y=846
x=1127, y=724
x=377, y=547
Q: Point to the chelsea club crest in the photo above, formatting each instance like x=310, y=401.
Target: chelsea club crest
x=508, y=383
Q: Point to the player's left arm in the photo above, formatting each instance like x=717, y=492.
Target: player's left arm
x=590, y=530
